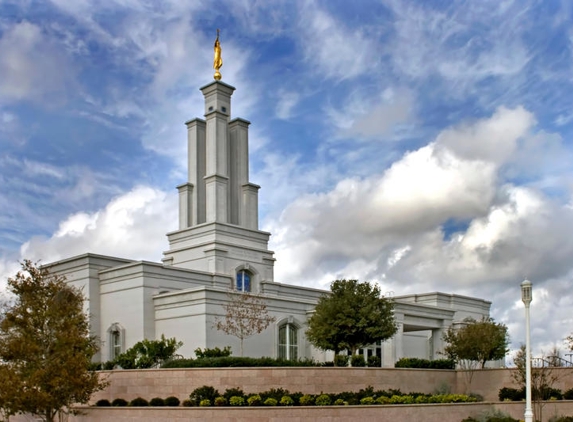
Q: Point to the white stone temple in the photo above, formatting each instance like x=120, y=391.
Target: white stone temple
x=219, y=248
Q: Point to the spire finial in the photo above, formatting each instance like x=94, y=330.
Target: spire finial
x=218, y=60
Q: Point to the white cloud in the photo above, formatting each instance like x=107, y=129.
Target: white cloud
x=132, y=225
x=31, y=67
x=286, y=101
x=333, y=50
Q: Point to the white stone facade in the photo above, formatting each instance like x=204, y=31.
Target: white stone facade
x=218, y=248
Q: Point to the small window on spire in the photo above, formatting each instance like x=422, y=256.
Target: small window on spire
x=243, y=281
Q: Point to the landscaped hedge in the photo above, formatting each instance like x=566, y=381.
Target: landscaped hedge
x=425, y=363
x=547, y=393
x=209, y=396
x=236, y=361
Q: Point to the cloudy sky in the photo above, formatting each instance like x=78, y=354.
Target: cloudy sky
x=422, y=145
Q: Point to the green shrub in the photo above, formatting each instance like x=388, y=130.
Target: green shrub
x=213, y=353
x=148, y=353
x=103, y=403
x=357, y=361
x=568, y=395
x=232, y=392
x=286, y=401
x=237, y=401
x=340, y=402
x=202, y=393
x=306, y=400
x=374, y=362
x=368, y=401
x=425, y=363
x=119, y=402
x=270, y=402
x=238, y=362
x=341, y=360
x=511, y=394
x=275, y=393
x=172, y=401
x=187, y=403
x=157, y=402
x=562, y=419
x=205, y=403
x=255, y=400
x=323, y=400
x=220, y=401
x=139, y=402
x=383, y=400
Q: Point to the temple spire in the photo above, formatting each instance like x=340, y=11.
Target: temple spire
x=218, y=60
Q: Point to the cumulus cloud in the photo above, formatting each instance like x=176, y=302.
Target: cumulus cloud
x=132, y=225
x=393, y=227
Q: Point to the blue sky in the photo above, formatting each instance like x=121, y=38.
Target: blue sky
x=422, y=145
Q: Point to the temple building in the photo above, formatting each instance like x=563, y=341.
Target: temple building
x=219, y=248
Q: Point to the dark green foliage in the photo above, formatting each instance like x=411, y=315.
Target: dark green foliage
x=374, y=361
x=213, y=353
x=354, y=315
x=237, y=361
x=139, y=402
x=187, y=403
x=220, y=401
x=103, y=403
x=425, y=363
x=563, y=419
x=341, y=360
x=275, y=393
x=148, y=353
x=172, y=401
x=323, y=400
x=477, y=341
x=203, y=393
x=357, y=361
x=119, y=402
x=233, y=392
x=157, y=402
x=568, y=395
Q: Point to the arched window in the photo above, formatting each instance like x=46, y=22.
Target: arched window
x=243, y=281
x=288, y=342
x=116, y=334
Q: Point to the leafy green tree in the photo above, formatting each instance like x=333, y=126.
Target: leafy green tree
x=477, y=341
x=45, y=346
x=148, y=353
x=353, y=315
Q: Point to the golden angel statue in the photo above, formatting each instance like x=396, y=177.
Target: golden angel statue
x=218, y=60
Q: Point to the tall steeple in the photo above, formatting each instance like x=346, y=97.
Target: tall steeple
x=218, y=206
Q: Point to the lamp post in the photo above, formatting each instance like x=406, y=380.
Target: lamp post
x=526, y=298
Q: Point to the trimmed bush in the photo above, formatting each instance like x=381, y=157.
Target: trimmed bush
x=374, y=362
x=187, y=403
x=255, y=400
x=119, y=402
x=340, y=402
x=157, y=402
x=357, y=361
x=425, y=363
x=368, y=401
x=220, y=401
x=270, y=402
x=172, y=401
x=213, y=353
x=205, y=403
x=103, y=403
x=205, y=392
x=237, y=401
x=233, y=392
x=237, y=361
x=341, y=360
x=139, y=402
x=568, y=394
x=306, y=400
x=511, y=394
x=286, y=401
x=323, y=400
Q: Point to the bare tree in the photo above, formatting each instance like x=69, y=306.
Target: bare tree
x=543, y=377
x=246, y=314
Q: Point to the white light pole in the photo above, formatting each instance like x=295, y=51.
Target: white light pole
x=526, y=298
